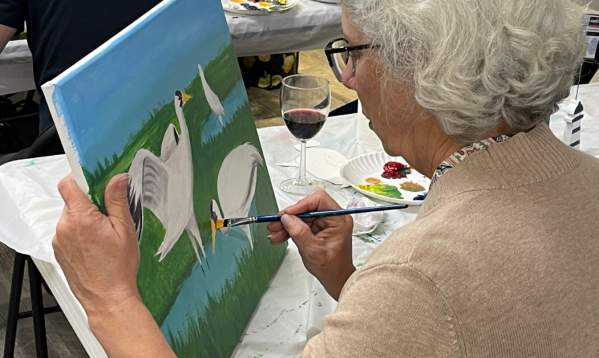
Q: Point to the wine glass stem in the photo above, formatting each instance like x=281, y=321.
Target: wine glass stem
x=302, y=180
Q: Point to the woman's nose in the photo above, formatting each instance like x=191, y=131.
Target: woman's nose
x=348, y=77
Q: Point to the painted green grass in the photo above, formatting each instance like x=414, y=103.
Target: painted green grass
x=228, y=313
x=158, y=282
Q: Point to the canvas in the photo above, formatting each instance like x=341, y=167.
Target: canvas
x=164, y=101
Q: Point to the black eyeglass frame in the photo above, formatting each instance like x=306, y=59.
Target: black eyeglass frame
x=330, y=53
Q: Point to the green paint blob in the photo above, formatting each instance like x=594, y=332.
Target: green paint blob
x=387, y=190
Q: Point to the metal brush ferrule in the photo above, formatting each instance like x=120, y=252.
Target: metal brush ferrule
x=241, y=221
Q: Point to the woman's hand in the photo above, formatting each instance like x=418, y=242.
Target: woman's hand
x=325, y=244
x=98, y=254
x=100, y=258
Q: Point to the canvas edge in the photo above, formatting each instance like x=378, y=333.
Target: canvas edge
x=50, y=91
x=58, y=115
x=71, y=307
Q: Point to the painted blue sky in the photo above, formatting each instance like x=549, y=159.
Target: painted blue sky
x=108, y=99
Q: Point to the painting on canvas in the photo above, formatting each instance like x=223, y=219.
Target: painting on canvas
x=164, y=102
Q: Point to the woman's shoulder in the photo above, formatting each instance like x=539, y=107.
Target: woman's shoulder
x=437, y=234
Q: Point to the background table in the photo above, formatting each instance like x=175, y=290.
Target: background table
x=16, y=68
x=308, y=25
x=292, y=308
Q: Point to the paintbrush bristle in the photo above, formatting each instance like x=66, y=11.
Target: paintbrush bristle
x=219, y=224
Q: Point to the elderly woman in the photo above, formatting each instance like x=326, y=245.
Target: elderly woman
x=503, y=257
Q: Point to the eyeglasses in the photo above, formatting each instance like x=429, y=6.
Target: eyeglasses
x=338, y=53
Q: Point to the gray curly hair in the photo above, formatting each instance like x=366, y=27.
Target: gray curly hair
x=474, y=63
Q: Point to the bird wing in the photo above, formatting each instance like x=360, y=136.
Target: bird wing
x=148, y=186
x=236, y=183
x=169, y=142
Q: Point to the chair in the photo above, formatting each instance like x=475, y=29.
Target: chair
x=18, y=121
x=47, y=143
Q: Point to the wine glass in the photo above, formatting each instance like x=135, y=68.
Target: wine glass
x=305, y=105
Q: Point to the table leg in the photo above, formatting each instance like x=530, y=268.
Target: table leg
x=13, y=305
x=37, y=310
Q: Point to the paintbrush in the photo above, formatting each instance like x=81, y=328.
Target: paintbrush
x=225, y=223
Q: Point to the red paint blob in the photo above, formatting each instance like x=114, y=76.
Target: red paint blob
x=395, y=170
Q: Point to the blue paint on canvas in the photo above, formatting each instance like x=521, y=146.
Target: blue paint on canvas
x=124, y=85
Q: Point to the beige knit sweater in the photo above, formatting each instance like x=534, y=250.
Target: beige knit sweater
x=502, y=261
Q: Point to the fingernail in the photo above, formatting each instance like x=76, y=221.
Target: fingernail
x=123, y=181
x=285, y=220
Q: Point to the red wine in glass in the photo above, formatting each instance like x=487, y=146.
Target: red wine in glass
x=304, y=123
x=305, y=104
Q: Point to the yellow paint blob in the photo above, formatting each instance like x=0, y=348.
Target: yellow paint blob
x=373, y=181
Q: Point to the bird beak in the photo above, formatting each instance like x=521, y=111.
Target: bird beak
x=216, y=222
x=185, y=97
x=213, y=234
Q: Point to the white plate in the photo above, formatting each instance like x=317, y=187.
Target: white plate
x=238, y=9
x=358, y=169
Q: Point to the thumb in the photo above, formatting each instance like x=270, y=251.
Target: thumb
x=298, y=230
x=116, y=198
x=72, y=195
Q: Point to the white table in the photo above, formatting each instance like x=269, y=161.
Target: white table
x=309, y=25
x=294, y=304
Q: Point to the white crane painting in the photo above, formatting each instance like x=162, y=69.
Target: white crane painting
x=236, y=187
x=164, y=185
x=212, y=98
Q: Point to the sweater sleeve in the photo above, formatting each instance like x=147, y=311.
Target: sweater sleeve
x=388, y=310
x=12, y=13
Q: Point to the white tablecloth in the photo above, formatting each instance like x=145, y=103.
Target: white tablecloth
x=16, y=68
x=309, y=25
x=293, y=306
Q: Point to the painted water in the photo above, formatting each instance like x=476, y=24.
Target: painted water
x=207, y=278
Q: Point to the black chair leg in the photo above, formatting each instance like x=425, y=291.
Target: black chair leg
x=14, y=305
x=37, y=310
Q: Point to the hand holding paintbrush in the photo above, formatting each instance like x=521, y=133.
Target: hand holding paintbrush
x=321, y=238
x=231, y=222
x=324, y=243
